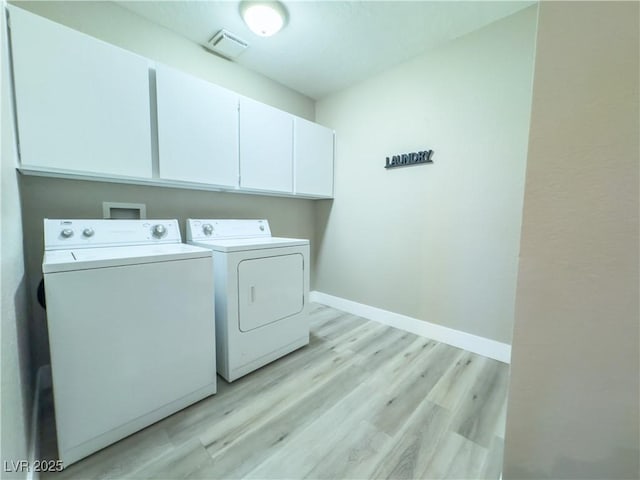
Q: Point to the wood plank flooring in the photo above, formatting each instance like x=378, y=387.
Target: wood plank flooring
x=361, y=401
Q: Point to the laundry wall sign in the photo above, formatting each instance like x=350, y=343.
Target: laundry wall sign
x=406, y=159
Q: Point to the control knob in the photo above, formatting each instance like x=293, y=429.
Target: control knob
x=66, y=233
x=159, y=230
x=207, y=228
x=88, y=232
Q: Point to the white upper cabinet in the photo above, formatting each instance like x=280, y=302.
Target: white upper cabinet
x=313, y=159
x=87, y=109
x=266, y=147
x=82, y=104
x=197, y=129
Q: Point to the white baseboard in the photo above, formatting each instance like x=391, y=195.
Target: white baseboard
x=43, y=381
x=467, y=341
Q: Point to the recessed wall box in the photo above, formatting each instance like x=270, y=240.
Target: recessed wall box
x=124, y=211
x=227, y=44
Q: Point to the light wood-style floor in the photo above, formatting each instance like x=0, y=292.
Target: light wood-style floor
x=362, y=400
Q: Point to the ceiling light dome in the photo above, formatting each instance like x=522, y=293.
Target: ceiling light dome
x=263, y=18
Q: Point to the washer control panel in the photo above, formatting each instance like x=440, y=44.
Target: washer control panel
x=201, y=229
x=63, y=234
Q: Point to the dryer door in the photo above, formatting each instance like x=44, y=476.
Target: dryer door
x=269, y=289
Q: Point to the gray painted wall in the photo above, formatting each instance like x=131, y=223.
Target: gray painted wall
x=58, y=198
x=574, y=397
x=434, y=242
x=15, y=392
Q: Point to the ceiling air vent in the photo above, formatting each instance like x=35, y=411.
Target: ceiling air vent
x=226, y=44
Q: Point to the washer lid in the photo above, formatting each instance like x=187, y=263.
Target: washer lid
x=244, y=244
x=87, y=258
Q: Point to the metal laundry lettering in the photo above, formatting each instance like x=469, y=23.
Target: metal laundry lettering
x=406, y=159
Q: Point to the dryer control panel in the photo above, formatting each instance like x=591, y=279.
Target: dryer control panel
x=218, y=229
x=64, y=234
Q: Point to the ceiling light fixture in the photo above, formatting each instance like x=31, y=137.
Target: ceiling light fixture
x=263, y=18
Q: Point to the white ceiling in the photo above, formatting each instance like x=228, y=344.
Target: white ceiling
x=329, y=45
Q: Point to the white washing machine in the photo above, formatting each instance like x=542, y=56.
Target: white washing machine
x=262, y=292
x=131, y=330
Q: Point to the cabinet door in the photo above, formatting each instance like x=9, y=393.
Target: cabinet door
x=266, y=147
x=313, y=159
x=82, y=104
x=197, y=129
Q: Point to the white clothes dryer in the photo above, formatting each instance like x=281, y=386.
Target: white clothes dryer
x=261, y=295
x=131, y=330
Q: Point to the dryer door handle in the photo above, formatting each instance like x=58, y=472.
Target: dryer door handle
x=252, y=294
